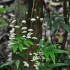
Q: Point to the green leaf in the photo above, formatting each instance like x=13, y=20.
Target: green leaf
x=26, y=43
x=15, y=48
x=17, y=63
x=52, y=55
x=54, y=26
x=18, y=39
x=46, y=54
x=2, y=9
x=65, y=26
x=40, y=43
x=58, y=64
x=30, y=43
x=7, y=63
x=20, y=46
x=46, y=44
x=59, y=51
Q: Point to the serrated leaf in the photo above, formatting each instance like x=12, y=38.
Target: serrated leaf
x=17, y=63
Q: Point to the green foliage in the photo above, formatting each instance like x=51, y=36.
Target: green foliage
x=56, y=20
x=18, y=43
x=65, y=27
x=2, y=10
x=2, y=23
x=49, y=51
x=9, y=62
x=17, y=63
x=50, y=66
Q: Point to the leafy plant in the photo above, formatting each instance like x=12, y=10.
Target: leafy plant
x=18, y=43
x=49, y=52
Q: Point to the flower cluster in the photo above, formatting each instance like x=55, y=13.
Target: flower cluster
x=36, y=59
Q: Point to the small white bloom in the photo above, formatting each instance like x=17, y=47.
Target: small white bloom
x=4, y=16
x=24, y=36
x=24, y=32
x=37, y=17
x=11, y=38
x=26, y=12
x=28, y=37
x=12, y=31
x=41, y=19
x=11, y=43
x=30, y=53
x=26, y=64
x=33, y=19
x=30, y=29
x=11, y=14
x=13, y=21
x=29, y=34
x=24, y=48
x=34, y=37
x=17, y=26
x=37, y=44
x=1, y=6
x=23, y=21
x=42, y=45
x=11, y=25
x=35, y=58
x=35, y=54
x=23, y=28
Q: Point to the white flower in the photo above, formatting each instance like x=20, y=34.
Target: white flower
x=26, y=12
x=30, y=29
x=24, y=32
x=26, y=64
x=13, y=29
x=13, y=21
x=23, y=28
x=30, y=53
x=23, y=21
x=41, y=19
x=35, y=58
x=11, y=14
x=28, y=37
x=35, y=54
x=34, y=37
x=24, y=48
x=33, y=19
x=24, y=36
x=17, y=26
x=11, y=38
x=36, y=67
x=11, y=25
x=10, y=43
x=37, y=63
x=1, y=6
x=37, y=17
x=29, y=34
